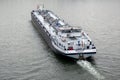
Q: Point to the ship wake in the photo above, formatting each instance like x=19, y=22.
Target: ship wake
x=87, y=66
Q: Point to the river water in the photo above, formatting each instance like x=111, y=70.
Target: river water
x=25, y=56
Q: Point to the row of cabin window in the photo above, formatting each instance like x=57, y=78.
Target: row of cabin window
x=41, y=24
x=43, y=27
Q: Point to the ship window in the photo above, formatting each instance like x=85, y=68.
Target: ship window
x=76, y=30
x=73, y=38
x=68, y=43
x=71, y=30
x=59, y=44
x=66, y=31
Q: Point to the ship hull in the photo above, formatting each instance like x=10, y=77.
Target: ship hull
x=47, y=38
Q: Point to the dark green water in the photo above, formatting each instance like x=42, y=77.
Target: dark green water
x=25, y=56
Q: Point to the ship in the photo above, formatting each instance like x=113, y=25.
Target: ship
x=62, y=38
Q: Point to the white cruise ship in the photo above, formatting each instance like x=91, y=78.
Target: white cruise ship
x=62, y=38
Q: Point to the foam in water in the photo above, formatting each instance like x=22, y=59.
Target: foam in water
x=87, y=66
